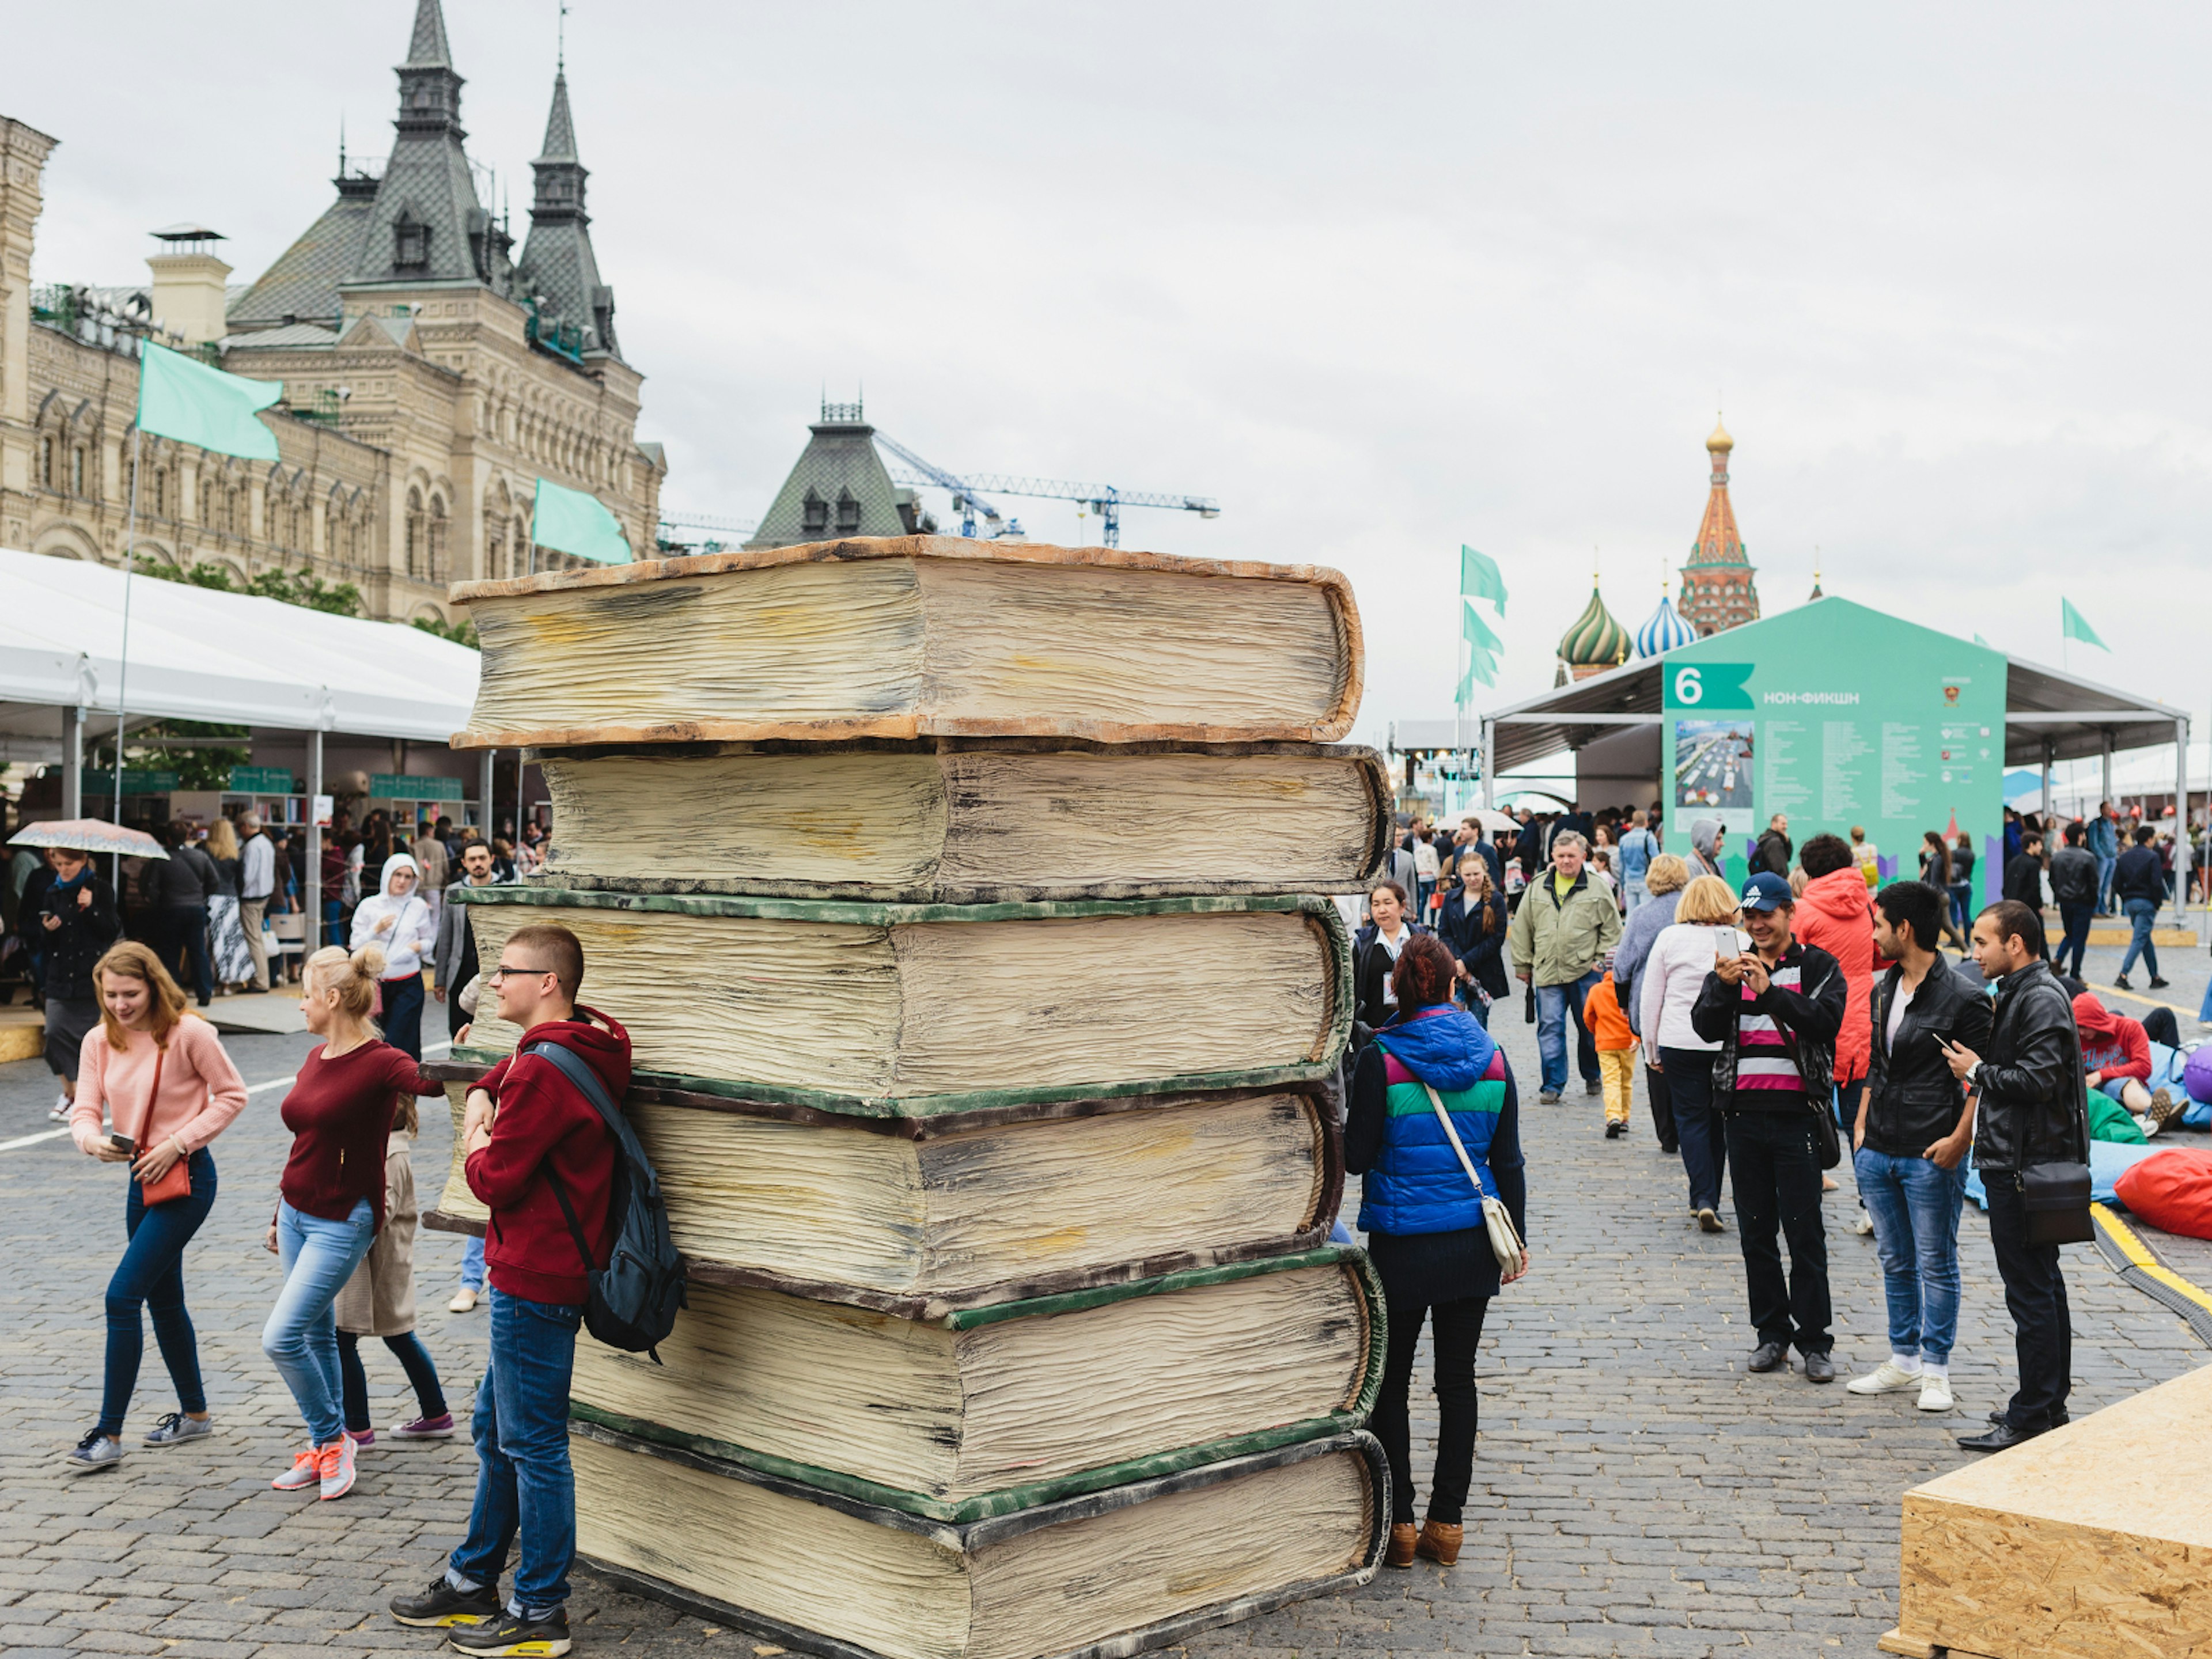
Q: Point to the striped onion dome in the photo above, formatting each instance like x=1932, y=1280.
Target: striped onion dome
x=1596, y=640
x=1662, y=631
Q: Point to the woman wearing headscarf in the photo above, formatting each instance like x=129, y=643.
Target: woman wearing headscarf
x=399, y=922
x=1423, y=1221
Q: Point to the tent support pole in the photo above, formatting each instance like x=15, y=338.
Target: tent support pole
x=123, y=664
x=2181, y=822
x=2050, y=793
x=2107, y=793
x=1489, y=763
x=312, y=894
x=486, y=781
x=73, y=762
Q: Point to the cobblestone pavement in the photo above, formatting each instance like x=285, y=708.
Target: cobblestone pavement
x=1637, y=1491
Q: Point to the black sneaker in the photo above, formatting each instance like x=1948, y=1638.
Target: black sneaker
x=508, y=1634
x=2158, y=984
x=1612, y=1131
x=442, y=1605
x=2122, y=982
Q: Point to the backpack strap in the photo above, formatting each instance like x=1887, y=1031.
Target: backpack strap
x=572, y=1066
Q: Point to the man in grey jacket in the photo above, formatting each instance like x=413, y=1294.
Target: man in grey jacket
x=454, y=958
x=1705, y=848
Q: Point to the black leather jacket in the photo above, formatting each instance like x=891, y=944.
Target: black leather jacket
x=1915, y=1101
x=2034, y=1109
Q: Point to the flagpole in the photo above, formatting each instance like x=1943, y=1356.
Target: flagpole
x=122, y=670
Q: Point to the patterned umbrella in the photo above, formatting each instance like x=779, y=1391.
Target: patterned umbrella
x=89, y=836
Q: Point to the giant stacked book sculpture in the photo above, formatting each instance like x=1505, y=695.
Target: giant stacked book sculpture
x=950, y=893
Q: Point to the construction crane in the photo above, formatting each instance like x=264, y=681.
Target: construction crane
x=722, y=532
x=967, y=499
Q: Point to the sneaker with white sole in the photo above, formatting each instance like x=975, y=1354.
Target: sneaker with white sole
x=177, y=1427
x=1935, y=1393
x=60, y=1110
x=305, y=1470
x=95, y=1451
x=2164, y=1110
x=335, y=1466
x=1888, y=1377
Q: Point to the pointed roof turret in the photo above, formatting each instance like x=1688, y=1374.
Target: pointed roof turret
x=558, y=273
x=559, y=127
x=1718, y=591
x=428, y=49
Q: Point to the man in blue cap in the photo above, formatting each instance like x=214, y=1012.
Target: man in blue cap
x=1775, y=1010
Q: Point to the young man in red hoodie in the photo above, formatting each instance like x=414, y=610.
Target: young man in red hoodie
x=528, y=1128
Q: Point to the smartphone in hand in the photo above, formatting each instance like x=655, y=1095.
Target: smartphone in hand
x=123, y=1144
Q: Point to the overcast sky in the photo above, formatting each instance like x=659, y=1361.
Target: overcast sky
x=1381, y=279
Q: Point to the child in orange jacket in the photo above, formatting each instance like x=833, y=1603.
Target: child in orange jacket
x=1616, y=1052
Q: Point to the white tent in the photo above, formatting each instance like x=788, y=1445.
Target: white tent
x=197, y=654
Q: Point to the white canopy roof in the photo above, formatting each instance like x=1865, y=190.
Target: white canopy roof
x=197, y=654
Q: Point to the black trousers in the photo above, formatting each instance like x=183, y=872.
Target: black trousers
x=1662, y=1106
x=2075, y=914
x=1458, y=1327
x=1777, y=1188
x=2035, y=1295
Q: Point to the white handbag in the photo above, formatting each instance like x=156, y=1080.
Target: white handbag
x=1505, y=1243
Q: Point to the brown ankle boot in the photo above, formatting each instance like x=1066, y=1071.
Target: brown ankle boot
x=1439, y=1542
x=1400, y=1553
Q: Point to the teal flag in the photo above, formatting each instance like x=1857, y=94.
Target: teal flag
x=1473, y=630
x=1984, y=643
x=180, y=399
x=570, y=521
x=2072, y=625
x=1481, y=578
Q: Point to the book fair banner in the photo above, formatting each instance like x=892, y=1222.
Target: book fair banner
x=1837, y=717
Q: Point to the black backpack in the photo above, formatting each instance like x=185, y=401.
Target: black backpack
x=633, y=1301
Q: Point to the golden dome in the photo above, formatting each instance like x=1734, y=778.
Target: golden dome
x=1720, y=443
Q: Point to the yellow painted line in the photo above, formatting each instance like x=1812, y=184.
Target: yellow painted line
x=2174, y=1281
x=2137, y=1253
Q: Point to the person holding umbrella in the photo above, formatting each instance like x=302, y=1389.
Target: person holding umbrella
x=75, y=923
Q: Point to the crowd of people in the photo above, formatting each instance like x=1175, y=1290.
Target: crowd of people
x=1806, y=1013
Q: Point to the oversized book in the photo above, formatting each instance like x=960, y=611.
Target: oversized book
x=918, y=1214
x=968, y=820
x=916, y=636
x=1098, y=1576
x=831, y=1003
x=984, y=1411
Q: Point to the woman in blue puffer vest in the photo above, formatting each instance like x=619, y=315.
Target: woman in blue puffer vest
x=1423, y=1219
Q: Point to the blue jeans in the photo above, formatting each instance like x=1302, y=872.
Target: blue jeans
x=1915, y=1204
x=2141, y=913
x=524, y=1485
x=2076, y=916
x=152, y=1274
x=2105, y=865
x=472, y=1264
x=300, y=1337
x=1557, y=1005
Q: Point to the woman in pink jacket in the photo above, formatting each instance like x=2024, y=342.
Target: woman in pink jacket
x=169, y=1089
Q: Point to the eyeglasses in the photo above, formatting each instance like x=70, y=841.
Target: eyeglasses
x=503, y=972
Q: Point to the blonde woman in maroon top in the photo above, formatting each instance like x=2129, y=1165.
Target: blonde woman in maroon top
x=339, y=1112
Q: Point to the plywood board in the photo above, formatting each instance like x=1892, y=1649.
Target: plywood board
x=2091, y=1542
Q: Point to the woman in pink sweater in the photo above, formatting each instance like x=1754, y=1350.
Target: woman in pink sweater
x=169, y=1089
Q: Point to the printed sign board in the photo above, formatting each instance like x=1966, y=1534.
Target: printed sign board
x=405, y=785
x=261, y=779
x=1837, y=716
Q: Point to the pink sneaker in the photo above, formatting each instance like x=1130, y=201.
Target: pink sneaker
x=439, y=1427
x=362, y=1438
x=305, y=1470
x=335, y=1463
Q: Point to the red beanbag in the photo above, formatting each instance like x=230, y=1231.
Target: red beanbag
x=2171, y=1190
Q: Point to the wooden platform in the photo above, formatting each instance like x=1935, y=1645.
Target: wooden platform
x=2092, y=1542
